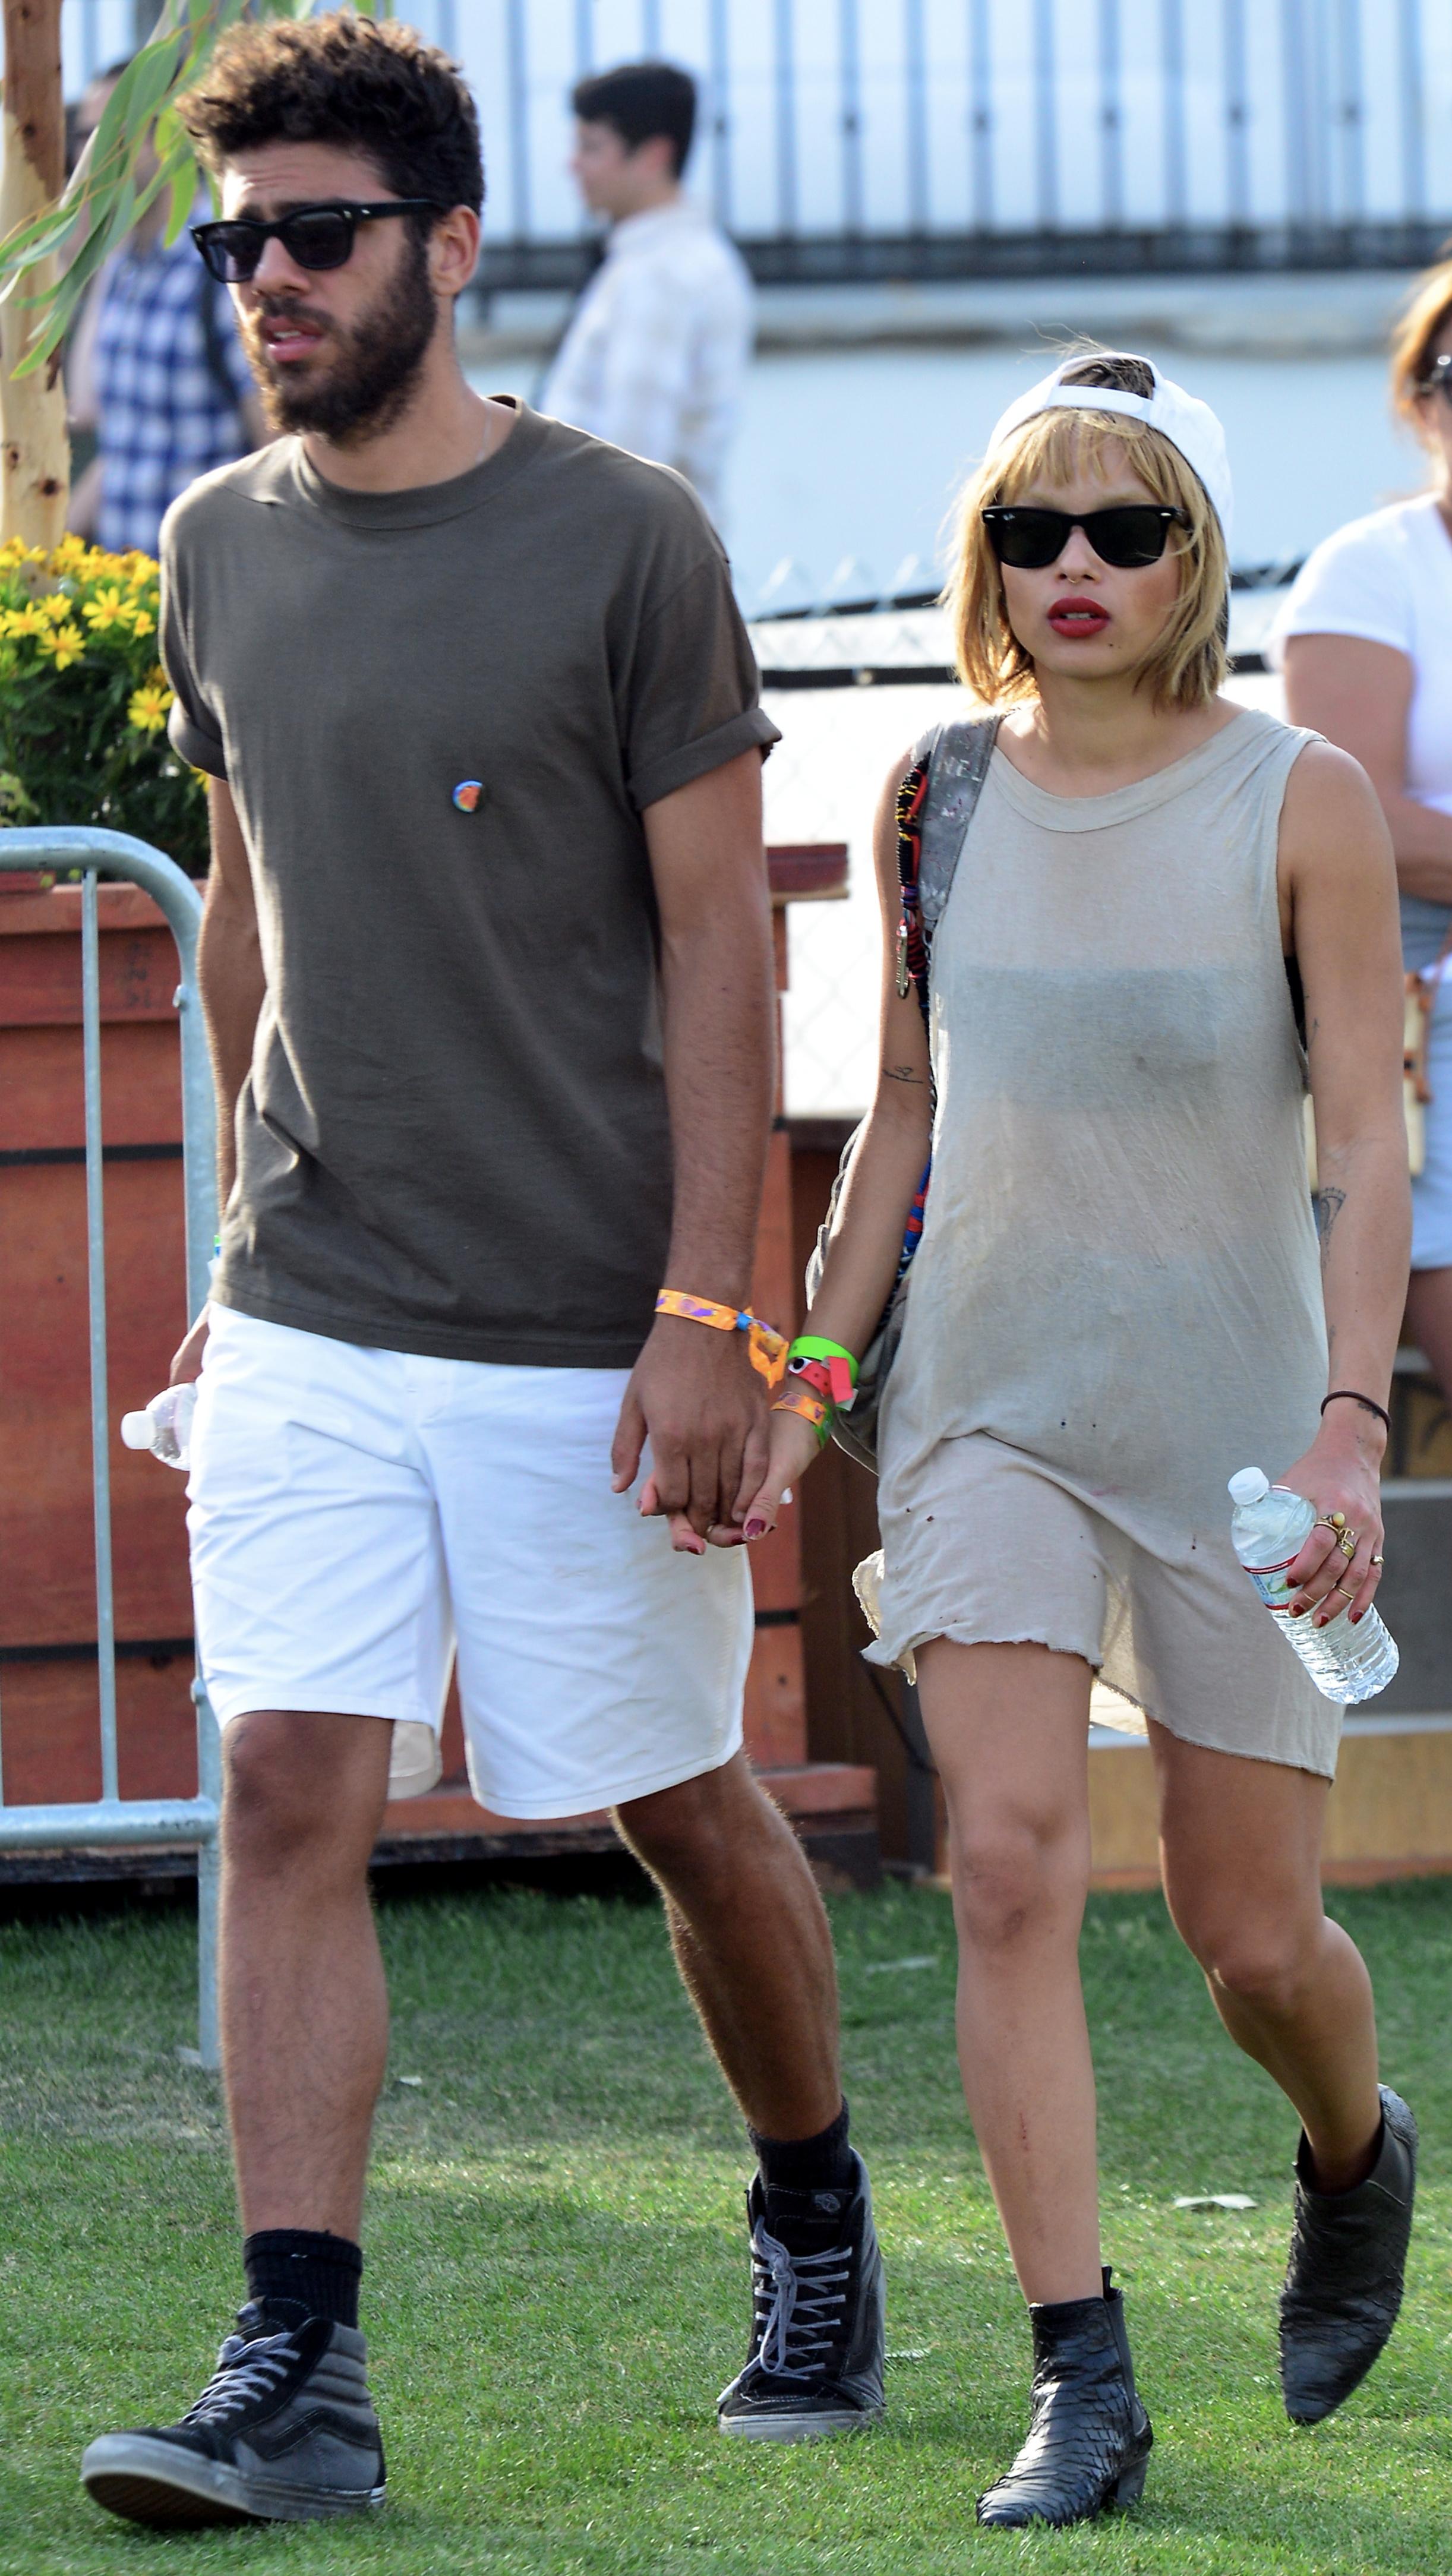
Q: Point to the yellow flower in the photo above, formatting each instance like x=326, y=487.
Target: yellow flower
x=23, y=621
x=58, y=606
x=108, y=608
x=148, y=707
x=142, y=623
x=65, y=643
x=12, y=553
x=69, y=553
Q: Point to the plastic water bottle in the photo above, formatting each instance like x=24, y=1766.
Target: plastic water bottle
x=1270, y=1528
x=165, y=1428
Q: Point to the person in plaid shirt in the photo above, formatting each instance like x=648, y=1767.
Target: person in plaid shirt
x=158, y=372
x=174, y=391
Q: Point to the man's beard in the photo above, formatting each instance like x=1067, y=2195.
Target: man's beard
x=376, y=365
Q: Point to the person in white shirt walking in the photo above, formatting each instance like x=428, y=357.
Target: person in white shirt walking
x=655, y=354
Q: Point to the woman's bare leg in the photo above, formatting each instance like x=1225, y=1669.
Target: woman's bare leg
x=1008, y=1726
x=1240, y=1847
x=1429, y=1314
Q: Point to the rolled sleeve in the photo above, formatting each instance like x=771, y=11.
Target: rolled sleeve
x=192, y=729
x=691, y=697
x=200, y=750
x=708, y=751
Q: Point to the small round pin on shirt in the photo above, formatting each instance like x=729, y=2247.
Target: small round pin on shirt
x=468, y=793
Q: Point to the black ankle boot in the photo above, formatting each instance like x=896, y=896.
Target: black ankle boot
x=1089, y=2437
x=1344, y=2281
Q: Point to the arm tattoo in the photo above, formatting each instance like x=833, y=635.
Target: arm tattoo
x=902, y=1073
x=1328, y=1205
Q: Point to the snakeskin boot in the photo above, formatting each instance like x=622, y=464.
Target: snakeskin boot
x=1344, y=2280
x=1089, y=2437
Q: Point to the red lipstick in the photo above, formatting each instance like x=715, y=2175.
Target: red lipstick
x=1078, y=617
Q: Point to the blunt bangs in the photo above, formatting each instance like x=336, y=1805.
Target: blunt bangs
x=1188, y=665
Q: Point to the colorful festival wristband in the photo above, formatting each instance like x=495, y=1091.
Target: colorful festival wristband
x=815, y=1409
x=809, y=1351
x=768, y=1349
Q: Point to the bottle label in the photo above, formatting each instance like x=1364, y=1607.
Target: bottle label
x=1270, y=1582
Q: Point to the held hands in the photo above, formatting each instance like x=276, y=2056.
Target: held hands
x=1340, y=1472
x=793, y=1444
x=695, y=1396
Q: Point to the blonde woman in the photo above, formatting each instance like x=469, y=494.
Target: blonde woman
x=1366, y=641
x=1116, y=1303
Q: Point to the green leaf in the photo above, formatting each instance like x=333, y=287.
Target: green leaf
x=181, y=178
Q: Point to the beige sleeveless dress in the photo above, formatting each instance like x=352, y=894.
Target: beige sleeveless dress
x=1116, y=1301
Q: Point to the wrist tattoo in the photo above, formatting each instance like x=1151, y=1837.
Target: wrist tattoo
x=902, y=1073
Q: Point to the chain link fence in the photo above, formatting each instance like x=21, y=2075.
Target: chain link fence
x=852, y=684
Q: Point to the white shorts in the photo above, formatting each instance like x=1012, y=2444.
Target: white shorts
x=357, y=1514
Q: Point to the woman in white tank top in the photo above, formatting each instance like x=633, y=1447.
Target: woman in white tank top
x=1117, y=1301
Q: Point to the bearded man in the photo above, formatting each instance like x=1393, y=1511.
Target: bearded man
x=486, y=970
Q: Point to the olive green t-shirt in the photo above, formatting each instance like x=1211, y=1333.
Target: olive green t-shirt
x=441, y=713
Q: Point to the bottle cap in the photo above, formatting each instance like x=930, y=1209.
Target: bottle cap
x=136, y=1431
x=1249, y=1486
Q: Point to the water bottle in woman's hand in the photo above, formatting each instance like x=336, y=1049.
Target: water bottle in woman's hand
x=165, y=1428
x=1269, y=1530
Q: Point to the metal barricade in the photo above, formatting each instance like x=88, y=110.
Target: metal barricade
x=114, y=1820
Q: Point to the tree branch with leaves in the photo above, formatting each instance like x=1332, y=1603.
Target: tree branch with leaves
x=57, y=237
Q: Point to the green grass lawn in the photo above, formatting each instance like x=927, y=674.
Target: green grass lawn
x=556, y=2286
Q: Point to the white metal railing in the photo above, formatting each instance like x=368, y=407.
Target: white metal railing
x=1235, y=130
x=113, y=1820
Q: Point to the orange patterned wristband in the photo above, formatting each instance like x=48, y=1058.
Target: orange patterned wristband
x=768, y=1349
x=812, y=1408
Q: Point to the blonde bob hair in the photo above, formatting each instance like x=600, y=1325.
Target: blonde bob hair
x=1419, y=327
x=1188, y=665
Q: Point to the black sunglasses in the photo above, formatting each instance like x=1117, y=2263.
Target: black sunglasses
x=1127, y=536
x=1438, y=379
x=312, y=236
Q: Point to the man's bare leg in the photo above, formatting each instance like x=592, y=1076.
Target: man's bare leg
x=304, y=2009
x=753, y=1947
x=751, y=1939
x=286, y=2429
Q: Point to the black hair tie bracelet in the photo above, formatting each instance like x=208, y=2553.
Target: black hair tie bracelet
x=1348, y=1395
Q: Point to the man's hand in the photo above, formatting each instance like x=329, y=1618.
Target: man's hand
x=694, y=1395
x=188, y=1361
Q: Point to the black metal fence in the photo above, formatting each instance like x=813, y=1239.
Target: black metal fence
x=852, y=139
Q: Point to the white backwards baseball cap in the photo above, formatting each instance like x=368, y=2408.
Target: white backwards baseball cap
x=1188, y=424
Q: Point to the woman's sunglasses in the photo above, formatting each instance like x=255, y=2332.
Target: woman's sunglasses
x=312, y=236
x=1128, y=536
x=1438, y=379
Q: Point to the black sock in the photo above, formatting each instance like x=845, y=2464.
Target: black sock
x=319, y=2271
x=823, y=2163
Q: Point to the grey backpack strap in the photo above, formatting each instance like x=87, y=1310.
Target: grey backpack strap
x=958, y=757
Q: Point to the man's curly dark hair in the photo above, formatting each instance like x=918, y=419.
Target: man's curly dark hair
x=372, y=85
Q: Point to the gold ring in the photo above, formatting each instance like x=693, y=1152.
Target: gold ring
x=1349, y=1589
x=1378, y=1560
x=1338, y=1520
x=1347, y=1543
x=1329, y=1520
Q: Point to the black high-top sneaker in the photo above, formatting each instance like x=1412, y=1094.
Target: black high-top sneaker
x=284, y=2431
x=1344, y=2280
x=816, y=2356
x=1089, y=2436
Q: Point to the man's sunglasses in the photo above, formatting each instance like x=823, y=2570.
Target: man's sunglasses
x=1128, y=536
x=312, y=236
